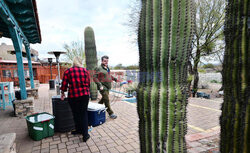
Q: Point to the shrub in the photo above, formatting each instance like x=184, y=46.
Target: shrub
x=201, y=70
x=209, y=65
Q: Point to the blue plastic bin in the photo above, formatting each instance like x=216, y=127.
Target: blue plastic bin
x=96, y=114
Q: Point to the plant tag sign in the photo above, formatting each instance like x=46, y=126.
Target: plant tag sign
x=51, y=126
x=37, y=128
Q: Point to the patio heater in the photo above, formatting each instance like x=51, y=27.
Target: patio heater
x=57, y=55
x=51, y=81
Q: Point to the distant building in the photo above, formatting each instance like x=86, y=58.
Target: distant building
x=41, y=69
x=7, y=52
x=8, y=70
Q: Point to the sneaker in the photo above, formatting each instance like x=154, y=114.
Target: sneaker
x=113, y=116
x=90, y=129
x=85, y=139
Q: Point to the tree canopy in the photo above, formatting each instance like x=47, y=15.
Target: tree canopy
x=75, y=49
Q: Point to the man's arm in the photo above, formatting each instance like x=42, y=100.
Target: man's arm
x=96, y=80
x=113, y=78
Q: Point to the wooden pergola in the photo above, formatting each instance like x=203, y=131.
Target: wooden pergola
x=19, y=22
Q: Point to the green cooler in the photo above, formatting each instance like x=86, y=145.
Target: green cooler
x=40, y=125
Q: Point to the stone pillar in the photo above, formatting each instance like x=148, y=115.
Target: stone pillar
x=30, y=93
x=24, y=108
x=33, y=93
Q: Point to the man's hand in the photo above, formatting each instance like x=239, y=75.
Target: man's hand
x=62, y=96
x=116, y=80
x=101, y=88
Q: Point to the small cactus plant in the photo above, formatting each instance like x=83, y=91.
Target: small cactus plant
x=235, y=117
x=91, y=58
x=164, y=38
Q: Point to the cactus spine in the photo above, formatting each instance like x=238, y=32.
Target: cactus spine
x=164, y=40
x=235, y=118
x=91, y=58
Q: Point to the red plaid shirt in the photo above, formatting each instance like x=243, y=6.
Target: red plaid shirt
x=79, y=82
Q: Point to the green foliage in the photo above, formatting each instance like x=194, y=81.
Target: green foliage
x=132, y=67
x=164, y=38
x=215, y=81
x=131, y=87
x=201, y=70
x=235, y=116
x=190, y=78
x=210, y=16
x=90, y=48
x=91, y=58
x=75, y=49
x=209, y=25
x=118, y=67
x=209, y=65
x=121, y=67
x=68, y=65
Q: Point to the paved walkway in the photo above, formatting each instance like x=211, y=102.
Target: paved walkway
x=119, y=135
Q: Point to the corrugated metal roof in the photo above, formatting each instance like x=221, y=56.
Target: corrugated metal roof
x=25, y=13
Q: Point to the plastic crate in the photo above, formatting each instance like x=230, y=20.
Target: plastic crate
x=96, y=118
x=96, y=114
x=40, y=125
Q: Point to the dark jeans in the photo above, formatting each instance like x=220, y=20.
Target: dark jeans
x=79, y=107
x=105, y=100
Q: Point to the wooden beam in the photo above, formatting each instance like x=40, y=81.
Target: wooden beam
x=17, y=42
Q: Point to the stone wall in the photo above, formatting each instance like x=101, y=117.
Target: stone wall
x=36, y=83
x=126, y=75
x=206, y=78
x=30, y=93
x=24, y=108
x=33, y=93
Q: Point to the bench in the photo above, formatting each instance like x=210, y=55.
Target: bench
x=7, y=143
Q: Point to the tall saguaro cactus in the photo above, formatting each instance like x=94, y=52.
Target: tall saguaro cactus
x=164, y=37
x=235, y=118
x=91, y=58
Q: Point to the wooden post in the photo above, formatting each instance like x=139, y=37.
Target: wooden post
x=18, y=38
x=27, y=48
x=17, y=42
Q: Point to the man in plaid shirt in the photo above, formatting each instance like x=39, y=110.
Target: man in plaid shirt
x=77, y=80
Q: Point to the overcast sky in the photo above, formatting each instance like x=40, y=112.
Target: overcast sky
x=63, y=21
